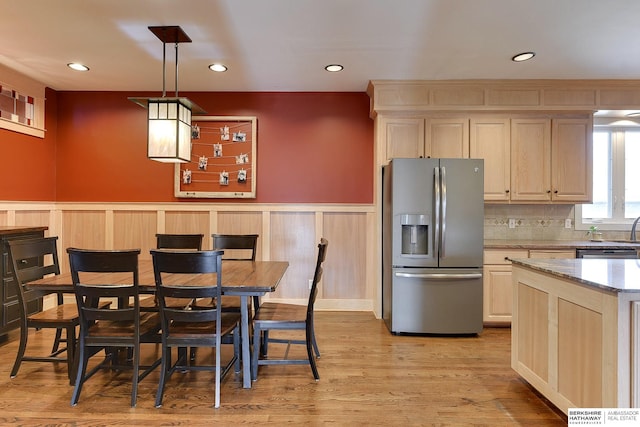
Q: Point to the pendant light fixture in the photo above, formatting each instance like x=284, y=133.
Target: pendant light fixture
x=169, y=118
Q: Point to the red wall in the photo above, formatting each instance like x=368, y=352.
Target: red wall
x=27, y=163
x=312, y=148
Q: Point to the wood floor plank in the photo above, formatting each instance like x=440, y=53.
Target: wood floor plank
x=367, y=377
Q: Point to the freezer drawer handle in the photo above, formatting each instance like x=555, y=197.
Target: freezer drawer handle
x=441, y=276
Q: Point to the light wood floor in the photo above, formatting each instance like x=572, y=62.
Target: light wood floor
x=368, y=377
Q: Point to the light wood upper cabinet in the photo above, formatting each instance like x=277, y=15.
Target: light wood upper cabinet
x=447, y=138
x=531, y=159
x=490, y=139
x=420, y=137
x=404, y=137
x=572, y=160
x=526, y=159
x=551, y=160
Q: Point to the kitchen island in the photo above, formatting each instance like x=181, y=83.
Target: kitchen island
x=576, y=330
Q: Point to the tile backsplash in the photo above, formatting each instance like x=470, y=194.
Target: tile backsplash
x=535, y=222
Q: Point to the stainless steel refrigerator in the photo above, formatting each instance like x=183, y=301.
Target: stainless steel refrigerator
x=432, y=240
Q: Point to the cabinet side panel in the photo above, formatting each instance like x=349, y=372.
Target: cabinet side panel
x=580, y=354
x=533, y=334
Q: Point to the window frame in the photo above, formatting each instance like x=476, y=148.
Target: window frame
x=617, y=223
x=25, y=85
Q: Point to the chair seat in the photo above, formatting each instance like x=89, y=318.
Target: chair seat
x=64, y=313
x=148, y=303
x=60, y=314
x=277, y=312
x=205, y=329
x=149, y=323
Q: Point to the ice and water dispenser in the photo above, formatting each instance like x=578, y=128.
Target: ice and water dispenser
x=415, y=234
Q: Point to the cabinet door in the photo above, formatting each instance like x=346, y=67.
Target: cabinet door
x=497, y=287
x=404, y=138
x=531, y=159
x=498, y=294
x=571, y=160
x=490, y=139
x=447, y=138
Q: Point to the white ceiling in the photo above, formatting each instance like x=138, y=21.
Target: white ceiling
x=283, y=45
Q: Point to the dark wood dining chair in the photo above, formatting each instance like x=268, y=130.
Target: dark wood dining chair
x=33, y=259
x=237, y=247
x=172, y=241
x=277, y=316
x=184, y=327
x=106, y=327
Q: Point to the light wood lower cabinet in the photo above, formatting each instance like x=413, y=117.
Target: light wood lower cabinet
x=497, y=286
x=577, y=345
x=497, y=283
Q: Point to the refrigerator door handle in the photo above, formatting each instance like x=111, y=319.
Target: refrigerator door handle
x=441, y=276
x=443, y=180
x=436, y=194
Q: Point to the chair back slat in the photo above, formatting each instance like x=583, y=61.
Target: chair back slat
x=179, y=241
x=104, y=261
x=237, y=242
x=113, y=315
x=190, y=316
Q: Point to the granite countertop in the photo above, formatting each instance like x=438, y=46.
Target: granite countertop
x=614, y=275
x=557, y=244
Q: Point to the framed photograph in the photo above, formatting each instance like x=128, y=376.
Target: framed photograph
x=223, y=159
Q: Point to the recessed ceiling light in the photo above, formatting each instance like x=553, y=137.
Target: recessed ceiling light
x=218, y=68
x=334, y=68
x=77, y=66
x=524, y=56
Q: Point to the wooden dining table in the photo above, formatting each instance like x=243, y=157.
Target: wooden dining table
x=240, y=278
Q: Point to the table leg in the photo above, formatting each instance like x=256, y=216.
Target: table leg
x=246, y=350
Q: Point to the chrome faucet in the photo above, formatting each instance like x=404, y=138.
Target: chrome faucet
x=633, y=230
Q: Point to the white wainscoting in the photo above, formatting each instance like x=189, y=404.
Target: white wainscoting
x=287, y=232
